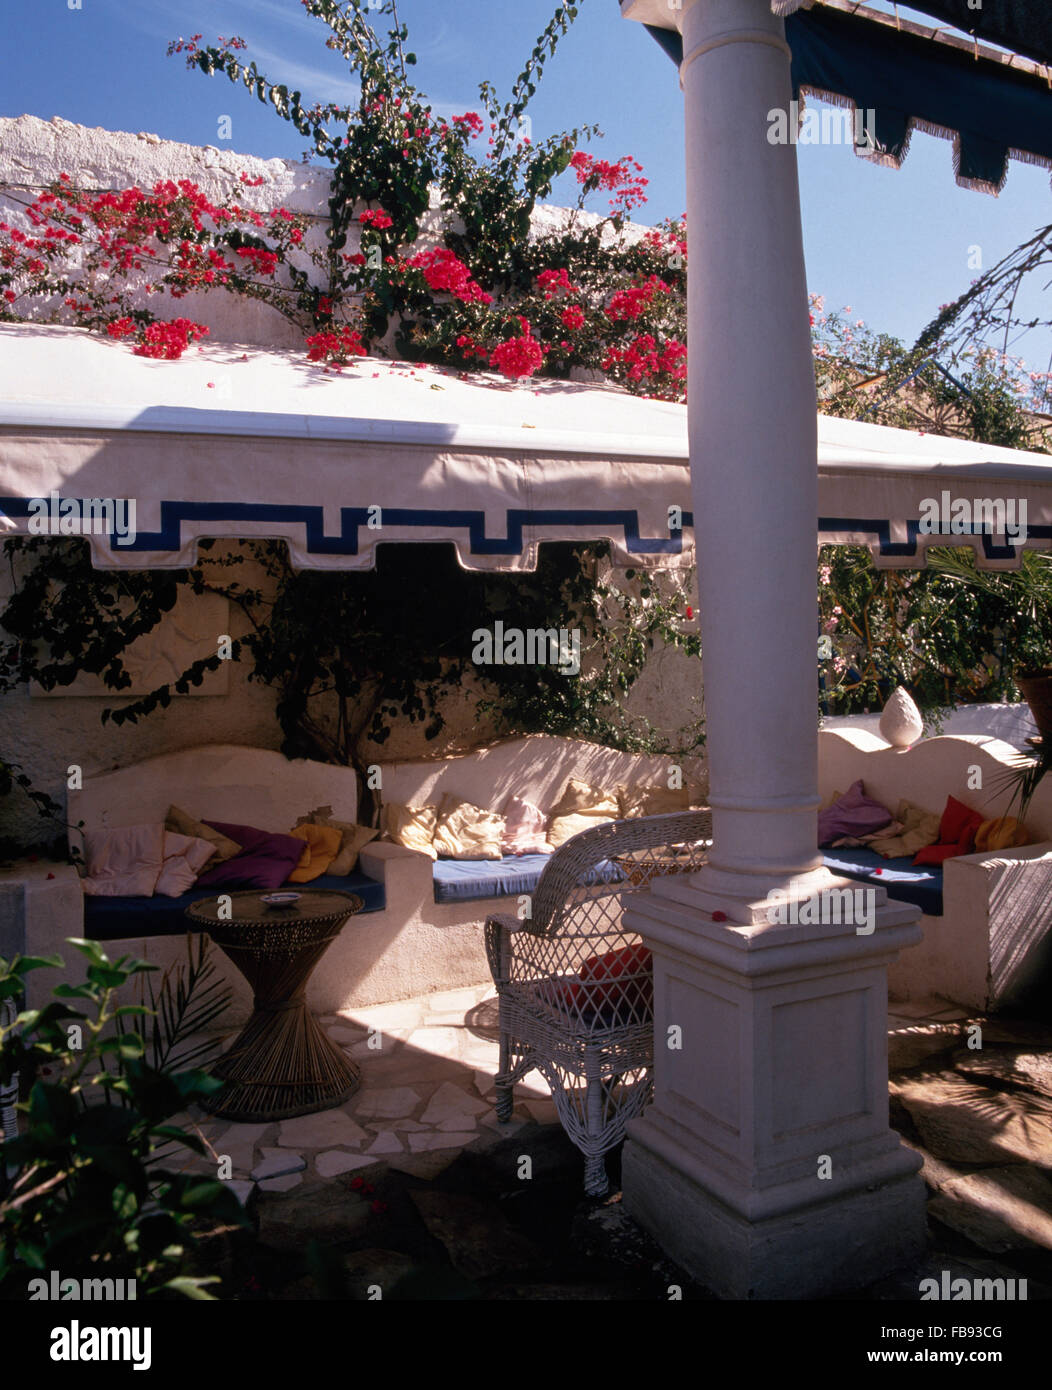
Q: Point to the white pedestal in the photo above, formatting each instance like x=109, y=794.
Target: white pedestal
x=766, y=1165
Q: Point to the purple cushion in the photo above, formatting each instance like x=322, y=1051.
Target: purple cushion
x=265, y=861
x=854, y=814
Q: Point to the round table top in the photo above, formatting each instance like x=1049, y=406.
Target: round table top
x=248, y=908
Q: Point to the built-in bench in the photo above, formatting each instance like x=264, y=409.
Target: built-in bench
x=114, y=919
x=987, y=920
x=421, y=929
x=904, y=880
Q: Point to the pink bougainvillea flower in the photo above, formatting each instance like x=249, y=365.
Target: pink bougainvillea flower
x=446, y=273
x=376, y=217
x=518, y=357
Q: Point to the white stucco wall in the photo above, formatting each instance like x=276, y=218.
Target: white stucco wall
x=48, y=735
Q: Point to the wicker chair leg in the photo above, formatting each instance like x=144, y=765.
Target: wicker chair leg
x=596, y=1182
x=595, y=1179
x=505, y=1093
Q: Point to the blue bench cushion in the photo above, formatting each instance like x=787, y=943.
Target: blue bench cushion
x=111, y=919
x=459, y=880
x=910, y=883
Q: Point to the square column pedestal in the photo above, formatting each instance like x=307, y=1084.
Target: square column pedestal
x=766, y=1166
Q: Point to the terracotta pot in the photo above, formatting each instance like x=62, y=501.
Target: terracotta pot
x=1036, y=687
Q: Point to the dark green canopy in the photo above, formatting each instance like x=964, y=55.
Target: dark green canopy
x=1024, y=26
x=912, y=76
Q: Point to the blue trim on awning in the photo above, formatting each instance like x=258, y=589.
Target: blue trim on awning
x=880, y=529
x=354, y=519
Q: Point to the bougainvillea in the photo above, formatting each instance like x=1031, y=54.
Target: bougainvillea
x=518, y=357
x=108, y=261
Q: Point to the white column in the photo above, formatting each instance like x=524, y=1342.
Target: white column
x=766, y=1164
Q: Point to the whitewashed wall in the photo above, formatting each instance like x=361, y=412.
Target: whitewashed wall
x=47, y=735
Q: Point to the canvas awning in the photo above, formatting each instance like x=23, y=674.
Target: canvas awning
x=241, y=443
x=993, y=105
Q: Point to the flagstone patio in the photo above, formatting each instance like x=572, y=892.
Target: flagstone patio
x=417, y=1155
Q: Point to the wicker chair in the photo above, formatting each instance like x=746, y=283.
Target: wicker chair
x=581, y=1016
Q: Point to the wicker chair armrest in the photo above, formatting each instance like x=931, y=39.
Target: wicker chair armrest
x=499, y=929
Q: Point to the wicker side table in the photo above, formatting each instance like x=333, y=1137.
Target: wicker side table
x=281, y=1063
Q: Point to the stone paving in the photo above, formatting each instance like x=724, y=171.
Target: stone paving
x=427, y=1093
x=973, y=1096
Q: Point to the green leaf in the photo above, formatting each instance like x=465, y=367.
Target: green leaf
x=191, y=1286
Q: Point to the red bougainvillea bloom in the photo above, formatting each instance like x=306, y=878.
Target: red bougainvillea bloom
x=335, y=349
x=719, y=916
x=447, y=273
x=622, y=179
x=169, y=340
x=10, y=296
x=472, y=121
x=630, y=303
x=120, y=328
x=554, y=281
x=690, y=612
x=518, y=357
x=572, y=316
x=376, y=218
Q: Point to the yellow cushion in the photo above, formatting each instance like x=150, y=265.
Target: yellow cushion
x=652, y=801
x=413, y=827
x=579, y=808
x=1004, y=832
x=582, y=799
x=920, y=828
x=180, y=822
x=353, y=839
x=323, y=845
x=465, y=831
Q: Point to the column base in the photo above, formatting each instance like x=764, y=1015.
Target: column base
x=830, y=1247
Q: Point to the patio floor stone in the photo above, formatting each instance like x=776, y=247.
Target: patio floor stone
x=981, y=1119
x=321, y=1131
x=333, y=1162
x=397, y=1102
x=998, y=1209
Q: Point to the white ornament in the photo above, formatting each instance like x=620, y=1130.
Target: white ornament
x=901, y=723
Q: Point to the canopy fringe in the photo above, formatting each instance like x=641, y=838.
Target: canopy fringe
x=888, y=160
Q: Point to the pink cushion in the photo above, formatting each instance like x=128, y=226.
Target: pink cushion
x=854, y=814
x=265, y=861
x=524, y=827
x=124, y=862
x=184, y=858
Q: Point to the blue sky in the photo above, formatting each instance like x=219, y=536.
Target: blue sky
x=892, y=245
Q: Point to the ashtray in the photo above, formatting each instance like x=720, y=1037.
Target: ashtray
x=280, y=899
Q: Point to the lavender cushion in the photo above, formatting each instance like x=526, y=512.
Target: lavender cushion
x=854, y=813
x=265, y=861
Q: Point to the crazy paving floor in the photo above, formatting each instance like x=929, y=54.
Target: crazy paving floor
x=415, y=1171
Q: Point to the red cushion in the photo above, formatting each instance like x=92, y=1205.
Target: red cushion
x=956, y=834
x=959, y=824
x=937, y=854
x=598, y=973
